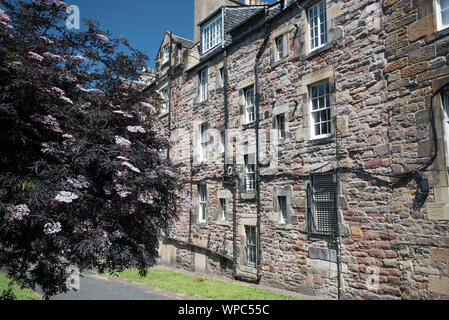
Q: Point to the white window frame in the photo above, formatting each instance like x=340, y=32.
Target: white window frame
x=165, y=99
x=251, y=245
x=202, y=195
x=250, y=174
x=223, y=208
x=204, y=141
x=222, y=78
x=281, y=126
x=204, y=85
x=317, y=15
x=250, y=112
x=223, y=141
x=326, y=108
x=445, y=103
x=439, y=10
x=165, y=53
x=212, y=34
x=283, y=210
x=279, y=44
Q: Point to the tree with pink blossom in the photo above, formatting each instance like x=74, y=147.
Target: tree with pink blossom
x=81, y=178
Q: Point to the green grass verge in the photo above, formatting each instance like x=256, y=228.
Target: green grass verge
x=209, y=288
x=21, y=294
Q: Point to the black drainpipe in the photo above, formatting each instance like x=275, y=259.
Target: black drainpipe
x=226, y=111
x=257, y=100
x=225, y=167
x=169, y=88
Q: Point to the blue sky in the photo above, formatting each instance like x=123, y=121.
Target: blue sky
x=142, y=22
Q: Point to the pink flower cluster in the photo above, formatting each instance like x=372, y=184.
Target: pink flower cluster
x=116, y=235
x=96, y=91
x=52, y=228
x=14, y=65
x=136, y=129
x=123, y=113
x=65, y=197
x=58, y=3
x=169, y=172
x=48, y=121
x=55, y=57
x=18, y=212
x=4, y=20
x=65, y=99
x=79, y=183
x=152, y=175
x=34, y=56
x=146, y=198
x=77, y=58
x=101, y=37
x=84, y=226
x=148, y=106
x=47, y=40
x=61, y=95
x=122, y=142
x=4, y=17
x=130, y=166
x=123, y=191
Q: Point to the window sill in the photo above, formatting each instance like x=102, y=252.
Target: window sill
x=222, y=222
x=279, y=62
x=201, y=104
x=249, y=269
x=283, y=225
x=317, y=51
x=438, y=34
x=248, y=195
x=320, y=140
x=283, y=141
x=251, y=125
x=202, y=163
x=202, y=225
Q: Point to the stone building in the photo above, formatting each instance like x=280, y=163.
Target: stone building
x=312, y=136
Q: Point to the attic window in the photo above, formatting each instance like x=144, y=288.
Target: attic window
x=211, y=34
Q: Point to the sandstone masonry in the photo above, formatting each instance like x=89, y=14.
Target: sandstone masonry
x=350, y=201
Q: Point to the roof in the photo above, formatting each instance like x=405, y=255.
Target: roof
x=184, y=42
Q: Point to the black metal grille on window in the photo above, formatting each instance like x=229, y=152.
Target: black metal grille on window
x=322, y=209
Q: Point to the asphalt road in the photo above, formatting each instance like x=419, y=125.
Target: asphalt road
x=101, y=287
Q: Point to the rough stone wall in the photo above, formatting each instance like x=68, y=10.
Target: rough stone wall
x=416, y=68
x=383, y=63
x=352, y=63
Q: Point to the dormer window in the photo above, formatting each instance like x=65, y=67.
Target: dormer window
x=211, y=34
